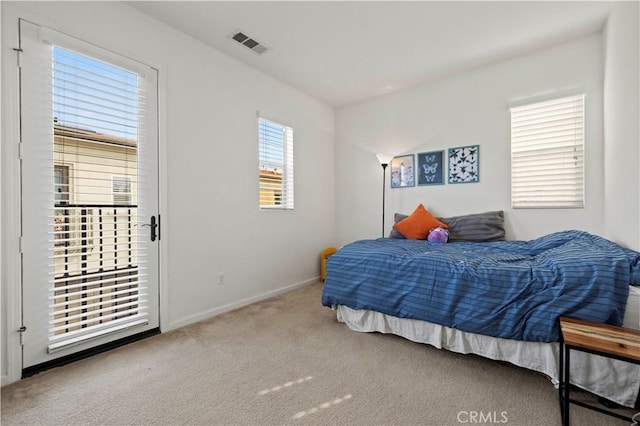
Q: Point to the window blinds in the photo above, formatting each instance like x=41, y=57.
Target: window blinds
x=547, y=154
x=275, y=169
x=97, y=264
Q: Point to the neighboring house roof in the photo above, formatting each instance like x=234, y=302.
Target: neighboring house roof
x=270, y=174
x=91, y=136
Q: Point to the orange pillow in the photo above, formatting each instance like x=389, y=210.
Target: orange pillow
x=418, y=224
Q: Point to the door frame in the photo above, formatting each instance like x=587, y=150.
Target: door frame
x=10, y=181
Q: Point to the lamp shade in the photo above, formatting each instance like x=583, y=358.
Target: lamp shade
x=384, y=158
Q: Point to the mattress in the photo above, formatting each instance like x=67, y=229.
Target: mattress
x=632, y=314
x=590, y=372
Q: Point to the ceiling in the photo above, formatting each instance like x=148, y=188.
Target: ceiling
x=342, y=52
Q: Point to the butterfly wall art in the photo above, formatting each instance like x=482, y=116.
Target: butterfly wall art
x=464, y=164
x=431, y=168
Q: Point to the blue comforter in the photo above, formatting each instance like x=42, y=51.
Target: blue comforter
x=509, y=289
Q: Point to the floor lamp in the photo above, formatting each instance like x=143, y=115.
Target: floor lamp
x=384, y=160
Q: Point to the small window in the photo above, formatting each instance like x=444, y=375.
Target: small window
x=61, y=199
x=275, y=165
x=121, y=190
x=60, y=185
x=547, y=154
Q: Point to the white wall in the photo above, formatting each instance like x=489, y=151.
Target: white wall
x=209, y=195
x=622, y=123
x=3, y=294
x=467, y=109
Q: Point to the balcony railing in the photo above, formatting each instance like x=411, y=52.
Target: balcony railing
x=96, y=266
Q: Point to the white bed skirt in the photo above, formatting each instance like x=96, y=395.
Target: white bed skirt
x=615, y=380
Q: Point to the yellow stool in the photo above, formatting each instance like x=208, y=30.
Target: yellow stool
x=326, y=253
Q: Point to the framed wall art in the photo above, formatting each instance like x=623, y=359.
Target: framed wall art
x=402, y=171
x=464, y=164
x=430, y=168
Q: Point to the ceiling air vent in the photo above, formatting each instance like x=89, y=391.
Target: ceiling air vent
x=248, y=42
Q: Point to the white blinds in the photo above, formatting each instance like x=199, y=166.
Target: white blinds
x=275, y=169
x=97, y=264
x=547, y=154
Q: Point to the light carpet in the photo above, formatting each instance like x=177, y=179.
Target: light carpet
x=285, y=361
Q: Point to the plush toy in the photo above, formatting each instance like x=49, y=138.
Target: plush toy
x=438, y=235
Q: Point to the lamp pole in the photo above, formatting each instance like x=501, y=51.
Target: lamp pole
x=384, y=174
x=384, y=160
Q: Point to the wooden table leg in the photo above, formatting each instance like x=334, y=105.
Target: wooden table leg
x=561, y=381
x=567, y=386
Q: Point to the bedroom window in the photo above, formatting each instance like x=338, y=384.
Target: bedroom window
x=275, y=167
x=547, y=154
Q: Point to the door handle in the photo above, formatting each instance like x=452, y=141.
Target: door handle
x=154, y=227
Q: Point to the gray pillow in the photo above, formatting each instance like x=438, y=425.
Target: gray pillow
x=481, y=227
x=396, y=234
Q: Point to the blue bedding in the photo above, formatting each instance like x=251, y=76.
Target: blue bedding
x=509, y=289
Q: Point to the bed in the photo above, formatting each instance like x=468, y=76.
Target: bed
x=497, y=299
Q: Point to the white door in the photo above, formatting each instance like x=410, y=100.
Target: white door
x=90, y=219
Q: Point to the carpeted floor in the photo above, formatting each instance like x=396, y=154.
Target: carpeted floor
x=285, y=361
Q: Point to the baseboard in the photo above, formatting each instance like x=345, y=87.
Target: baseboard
x=239, y=304
x=5, y=380
x=77, y=356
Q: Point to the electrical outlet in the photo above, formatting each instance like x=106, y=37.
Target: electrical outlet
x=221, y=278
